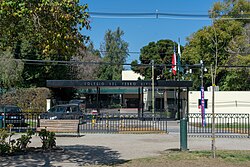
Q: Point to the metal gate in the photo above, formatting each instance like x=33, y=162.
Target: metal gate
x=124, y=123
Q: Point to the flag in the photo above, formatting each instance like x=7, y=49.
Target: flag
x=179, y=49
x=180, y=69
x=174, y=63
x=203, y=119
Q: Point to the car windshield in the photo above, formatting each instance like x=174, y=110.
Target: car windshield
x=57, y=109
x=61, y=109
x=76, y=101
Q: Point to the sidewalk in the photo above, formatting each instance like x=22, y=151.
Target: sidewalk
x=104, y=149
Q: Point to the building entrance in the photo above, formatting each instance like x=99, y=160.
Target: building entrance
x=129, y=104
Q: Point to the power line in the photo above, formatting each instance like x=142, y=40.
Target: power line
x=157, y=15
x=57, y=62
x=234, y=66
x=72, y=63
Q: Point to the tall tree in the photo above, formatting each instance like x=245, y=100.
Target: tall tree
x=114, y=55
x=42, y=29
x=221, y=43
x=231, y=9
x=161, y=52
x=88, y=66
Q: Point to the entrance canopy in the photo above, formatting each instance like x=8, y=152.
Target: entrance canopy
x=111, y=83
x=139, y=101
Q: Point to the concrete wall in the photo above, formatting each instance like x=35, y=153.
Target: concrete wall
x=225, y=101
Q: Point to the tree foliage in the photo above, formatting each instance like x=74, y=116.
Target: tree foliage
x=223, y=43
x=29, y=99
x=42, y=29
x=10, y=70
x=87, y=68
x=50, y=26
x=231, y=8
x=161, y=52
x=115, y=51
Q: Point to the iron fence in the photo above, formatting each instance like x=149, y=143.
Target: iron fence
x=123, y=123
x=89, y=123
x=134, y=122
x=19, y=122
x=224, y=123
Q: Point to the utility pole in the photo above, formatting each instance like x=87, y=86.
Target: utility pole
x=153, y=90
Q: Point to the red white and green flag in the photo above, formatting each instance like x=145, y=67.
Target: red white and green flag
x=174, y=69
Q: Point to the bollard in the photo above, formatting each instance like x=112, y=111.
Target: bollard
x=183, y=134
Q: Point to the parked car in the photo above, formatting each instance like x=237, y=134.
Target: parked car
x=64, y=111
x=11, y=114
x=80, y=102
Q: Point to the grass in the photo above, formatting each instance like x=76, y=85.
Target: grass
x=232, y=156
x=195, y=158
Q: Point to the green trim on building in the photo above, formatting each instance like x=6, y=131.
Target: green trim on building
x=109, y=91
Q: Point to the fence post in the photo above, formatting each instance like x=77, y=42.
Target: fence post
x=248, y=125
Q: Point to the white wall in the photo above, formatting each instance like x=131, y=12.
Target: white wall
x=225, y=101
x=130, y=75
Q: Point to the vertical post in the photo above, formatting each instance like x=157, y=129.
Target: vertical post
x=178, y=73
x=213, y=116
x=178, y=104
x=139, y=102
x=202, y=102
x=183, y=129
x=153, y=91
x=48, y=104
x=187, y=113
x=142, y=102
x=183, y=134
x=97, y=100
x=248, y=125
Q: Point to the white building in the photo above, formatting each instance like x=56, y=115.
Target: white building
x=234, y=102
x=130, y=75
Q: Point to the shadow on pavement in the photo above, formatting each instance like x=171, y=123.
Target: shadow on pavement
x=76, y=155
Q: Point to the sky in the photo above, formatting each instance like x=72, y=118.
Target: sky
x=138, y=32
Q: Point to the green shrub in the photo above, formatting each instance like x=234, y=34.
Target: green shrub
x=4, y=146
x=24, y=140
x=13, y=146
x=48, y=139
x=115, y=106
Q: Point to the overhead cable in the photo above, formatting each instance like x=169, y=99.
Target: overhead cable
x=177, y=16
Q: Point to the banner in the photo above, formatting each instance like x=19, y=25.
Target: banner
x=203, y=107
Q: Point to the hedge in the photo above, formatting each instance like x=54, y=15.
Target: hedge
x=28, y=99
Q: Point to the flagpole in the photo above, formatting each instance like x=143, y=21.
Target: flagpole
x=153, y=91
x=178, y=59
x=178, y=74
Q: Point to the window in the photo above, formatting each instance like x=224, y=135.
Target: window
x=199, y=102
x=74, y=108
